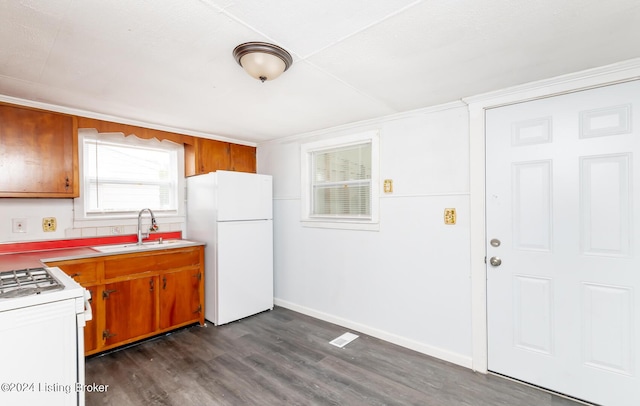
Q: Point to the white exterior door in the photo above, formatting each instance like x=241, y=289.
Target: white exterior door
x=563, y=234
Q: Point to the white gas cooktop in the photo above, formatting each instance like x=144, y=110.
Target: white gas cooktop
x=27, y=282
x=31, y=287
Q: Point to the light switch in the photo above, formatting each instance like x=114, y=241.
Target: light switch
x=388, y=186
x=450, y=216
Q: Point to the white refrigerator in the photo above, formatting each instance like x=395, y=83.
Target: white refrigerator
x=232, y=213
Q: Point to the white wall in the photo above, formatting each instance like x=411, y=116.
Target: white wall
x=34, y=210
x=409, y=282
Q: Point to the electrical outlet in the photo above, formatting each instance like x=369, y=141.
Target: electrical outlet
x=19, y=225
x=116, y=230
x=49, y=224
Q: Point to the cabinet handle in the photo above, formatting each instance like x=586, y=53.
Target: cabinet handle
x=66, y=183
x=151, y=285
x=106, y=293
x=75, y=274
x=164, y=282
x=107, y=334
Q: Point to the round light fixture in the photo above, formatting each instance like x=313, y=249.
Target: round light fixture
x=261, y=60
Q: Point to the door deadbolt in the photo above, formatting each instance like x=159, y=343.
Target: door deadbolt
x=494, y=242
x=495, y=261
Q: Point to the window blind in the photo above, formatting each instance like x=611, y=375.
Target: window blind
x=341, y=182
x=122, y=178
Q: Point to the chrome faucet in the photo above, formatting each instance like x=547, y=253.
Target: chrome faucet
x=154, y=225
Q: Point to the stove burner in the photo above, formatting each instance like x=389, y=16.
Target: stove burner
x=26, y=282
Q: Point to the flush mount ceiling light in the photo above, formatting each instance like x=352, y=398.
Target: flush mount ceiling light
x=261, y=60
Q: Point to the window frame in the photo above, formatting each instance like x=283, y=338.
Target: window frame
x=370, y=223
x=96, y=219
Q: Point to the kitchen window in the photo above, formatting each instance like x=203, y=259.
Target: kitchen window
x=121, y=175
x=340, y=182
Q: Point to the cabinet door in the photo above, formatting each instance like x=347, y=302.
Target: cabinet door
x=180, y=300
x=212, y=155
x=38, y=154
x=243, y=158
x=129, y=309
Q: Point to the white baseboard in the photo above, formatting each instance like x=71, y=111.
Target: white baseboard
x=454, y=358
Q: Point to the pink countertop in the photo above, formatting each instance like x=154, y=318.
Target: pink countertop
x=20, y=255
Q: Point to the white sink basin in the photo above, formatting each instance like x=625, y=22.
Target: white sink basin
x=145, y=246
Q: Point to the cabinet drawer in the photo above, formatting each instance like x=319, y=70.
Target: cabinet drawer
x=133, y=264
x=81, y=272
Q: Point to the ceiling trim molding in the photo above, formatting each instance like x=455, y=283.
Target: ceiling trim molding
x=365, y=124
x=106, y=117
x=618, y=72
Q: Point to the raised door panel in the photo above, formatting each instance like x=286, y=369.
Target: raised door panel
x=129, y=309
x=180, y=300
x=243, y=158
x=38, y=154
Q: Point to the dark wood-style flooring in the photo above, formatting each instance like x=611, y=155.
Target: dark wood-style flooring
x=282, y=357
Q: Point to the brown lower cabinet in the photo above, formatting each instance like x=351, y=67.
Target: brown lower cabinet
x=139, y=295
x=180, y=299
x=129, y=309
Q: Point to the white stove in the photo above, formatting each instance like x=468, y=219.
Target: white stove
x=42, y=305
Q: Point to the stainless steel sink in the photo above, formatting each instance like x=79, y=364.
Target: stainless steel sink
x=145, y=246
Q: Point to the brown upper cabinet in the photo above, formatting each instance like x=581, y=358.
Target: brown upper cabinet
x=205, y=155
x=243, y=158
x=38, y=153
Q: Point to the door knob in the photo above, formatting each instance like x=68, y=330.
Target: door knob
x=495, y=261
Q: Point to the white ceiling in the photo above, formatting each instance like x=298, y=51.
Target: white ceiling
x=169, y=63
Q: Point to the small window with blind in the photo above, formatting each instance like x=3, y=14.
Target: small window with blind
x=340, y=182
x=122, y=175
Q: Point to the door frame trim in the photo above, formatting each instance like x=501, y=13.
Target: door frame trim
x=597, y=77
